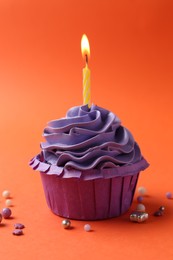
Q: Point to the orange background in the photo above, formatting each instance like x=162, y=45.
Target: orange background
x=41, y=77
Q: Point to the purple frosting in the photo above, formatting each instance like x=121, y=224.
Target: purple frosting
x=86, y=139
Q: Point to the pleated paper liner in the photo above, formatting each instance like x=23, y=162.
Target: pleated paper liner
x=89, y=199
x=89, y=194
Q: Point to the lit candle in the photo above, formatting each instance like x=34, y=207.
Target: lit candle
x=85, y=48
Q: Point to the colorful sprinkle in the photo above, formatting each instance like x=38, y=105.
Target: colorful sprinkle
x=158, y=213
x=6, y=212
x=66, y=223
x=87, y=227
x=140, y=199
x=140, y=207
x=142, y=190
x=162, y=208
x=6, y=194
x=169, y=195
x=19, y=226
x=137, y=216
x=8, y=202
x=17, y=232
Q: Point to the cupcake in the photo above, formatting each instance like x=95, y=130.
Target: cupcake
x=89, y=164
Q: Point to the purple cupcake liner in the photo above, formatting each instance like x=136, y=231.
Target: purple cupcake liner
x=91, y=194
x=94, y=199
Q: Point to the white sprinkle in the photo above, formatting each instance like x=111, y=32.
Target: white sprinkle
x=8, y=202
x=87, y=227
x=142, y=190
x=6, y=194
x=140, y=207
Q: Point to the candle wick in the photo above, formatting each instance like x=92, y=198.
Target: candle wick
x=86, y=57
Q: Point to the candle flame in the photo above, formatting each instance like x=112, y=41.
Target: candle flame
x=85, y=47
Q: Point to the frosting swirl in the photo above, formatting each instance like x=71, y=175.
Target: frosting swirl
x=88, y=138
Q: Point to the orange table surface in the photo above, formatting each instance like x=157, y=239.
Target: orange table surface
x=131, y=67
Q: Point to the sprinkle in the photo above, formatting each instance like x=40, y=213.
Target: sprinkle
x=142, y=190
x=66, y=224
x=19, y=226
x=6, y=212
x=140, y=207
x=6, y=194
x=17, y=232
x=0, y=217
x=162, y=208
x=158, y=213
x=8, y=202
x=137, y=216
x=140, y=199
x=87, y=227
x=169, y=195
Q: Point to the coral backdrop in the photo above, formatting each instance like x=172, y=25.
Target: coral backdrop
x=131, y=67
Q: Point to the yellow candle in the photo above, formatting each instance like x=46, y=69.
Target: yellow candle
x=86, y=72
